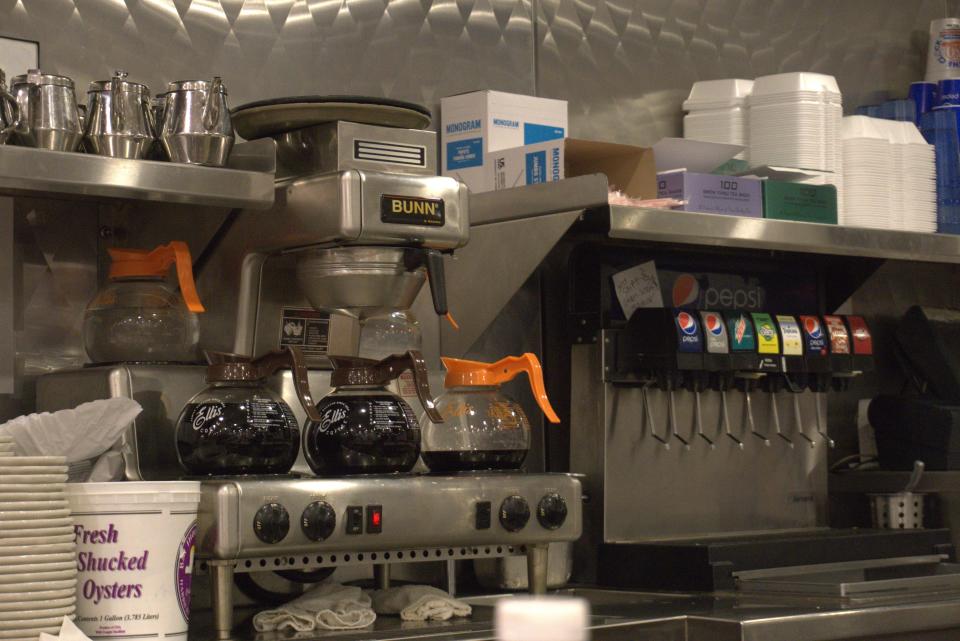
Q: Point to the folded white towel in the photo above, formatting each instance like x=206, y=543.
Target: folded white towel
x=326, y=607
x=419, y=603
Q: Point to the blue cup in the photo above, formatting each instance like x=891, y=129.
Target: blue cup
x=941, y=128
x=873, y=111
x=863, y=110
x=904, y=110
x=924, y=96
x=948, y=93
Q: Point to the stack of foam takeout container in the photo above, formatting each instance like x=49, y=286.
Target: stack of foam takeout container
x=717, y=111
x=38, y=564
x=794, y=121
x=890, y=176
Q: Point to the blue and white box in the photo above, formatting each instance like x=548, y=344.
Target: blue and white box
x=473, y=125
x=527, y=165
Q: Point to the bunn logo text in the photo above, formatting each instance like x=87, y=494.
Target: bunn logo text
x=410, y=210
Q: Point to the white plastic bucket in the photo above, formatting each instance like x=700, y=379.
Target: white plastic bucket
x=135, y=549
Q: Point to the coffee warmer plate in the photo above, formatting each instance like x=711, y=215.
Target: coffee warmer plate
x=262, y=524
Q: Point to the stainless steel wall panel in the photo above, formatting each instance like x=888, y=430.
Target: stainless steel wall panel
x=627, y=65
x=417, y=50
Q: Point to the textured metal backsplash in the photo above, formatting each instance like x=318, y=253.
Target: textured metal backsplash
x=627, y=65
x=624, y=65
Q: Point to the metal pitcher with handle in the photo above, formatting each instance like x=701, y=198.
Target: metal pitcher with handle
x=9, y=110
x=197, y=128
x=48, y=117
x=119, y=118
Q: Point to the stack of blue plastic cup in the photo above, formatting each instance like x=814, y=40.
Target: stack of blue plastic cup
x=924, y=95
x=940, y=128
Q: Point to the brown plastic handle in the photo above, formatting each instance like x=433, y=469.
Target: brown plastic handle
x=371, y=372
x=413, y=361
x=291, y=357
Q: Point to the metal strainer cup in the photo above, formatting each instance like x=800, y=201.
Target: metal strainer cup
x=900, y=510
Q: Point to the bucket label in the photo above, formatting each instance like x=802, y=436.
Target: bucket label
x=790, y=334
x=767, y=340
x=134, y=565
x=183, y=572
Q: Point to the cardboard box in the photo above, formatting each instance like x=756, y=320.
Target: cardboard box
x=798, y=201
x=519, y=166
x=712, y=194
x=474, y=124
x=629, y=169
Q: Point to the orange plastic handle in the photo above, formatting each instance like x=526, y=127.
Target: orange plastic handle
x=462, y=373
x=139, y=262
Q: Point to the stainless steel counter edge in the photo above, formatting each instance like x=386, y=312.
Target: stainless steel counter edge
x=862, y=622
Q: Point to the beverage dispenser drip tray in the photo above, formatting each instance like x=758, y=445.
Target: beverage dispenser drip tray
x=859, y=581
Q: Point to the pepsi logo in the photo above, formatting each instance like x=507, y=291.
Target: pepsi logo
x=686, y=323
x=714, y=324
x=812, y=326
x=686, y=290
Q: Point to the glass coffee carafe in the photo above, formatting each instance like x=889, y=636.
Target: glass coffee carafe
x=483, y=429
x=237, y=425
x=137, y=316
x=363, y=427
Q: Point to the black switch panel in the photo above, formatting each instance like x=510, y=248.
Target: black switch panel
x=354, y=519
x=484, y=510
x=374, y=519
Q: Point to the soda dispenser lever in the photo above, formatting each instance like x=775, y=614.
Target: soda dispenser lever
x=698, y=421
x=821, y=430
x=672, y=418
x=798, y=419
x=725, y=419
x=775, y=416
x=746, y=386
x=648, y=416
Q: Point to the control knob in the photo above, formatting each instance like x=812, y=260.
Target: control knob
x=514, y=513
x=552, y=511
x=271, y=523
x=318, y=520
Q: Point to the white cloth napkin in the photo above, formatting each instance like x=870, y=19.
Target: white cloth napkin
x=419, y=603
x=329, y=606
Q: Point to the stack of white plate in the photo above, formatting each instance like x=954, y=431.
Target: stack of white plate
x=918, y=160
x=38, y=559
x=717, y=111
x=794, y=121
x=868, y=174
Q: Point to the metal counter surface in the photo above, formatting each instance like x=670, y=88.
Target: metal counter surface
x=639, y=616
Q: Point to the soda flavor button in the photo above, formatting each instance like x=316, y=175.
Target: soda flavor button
x=814, y=336
x=740, y=329
x=839, y=337
x=791, y=336
x=767, y=340
x=688, y=332
x=862, y=341
x=715, y=333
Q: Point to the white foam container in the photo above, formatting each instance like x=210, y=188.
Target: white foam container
x=716, y=94
x=135, y=549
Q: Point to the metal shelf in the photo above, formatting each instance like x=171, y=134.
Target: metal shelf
x=885, y=481
x=715, y=230
x=589, y=194
x=248, y=183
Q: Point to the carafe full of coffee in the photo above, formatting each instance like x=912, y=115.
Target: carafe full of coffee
x=237, y=425
x=483, y=429
x=363, y=427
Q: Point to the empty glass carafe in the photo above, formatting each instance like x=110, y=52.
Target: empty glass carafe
x=137, y=316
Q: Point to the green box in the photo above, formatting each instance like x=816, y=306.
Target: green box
x=797, y=201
